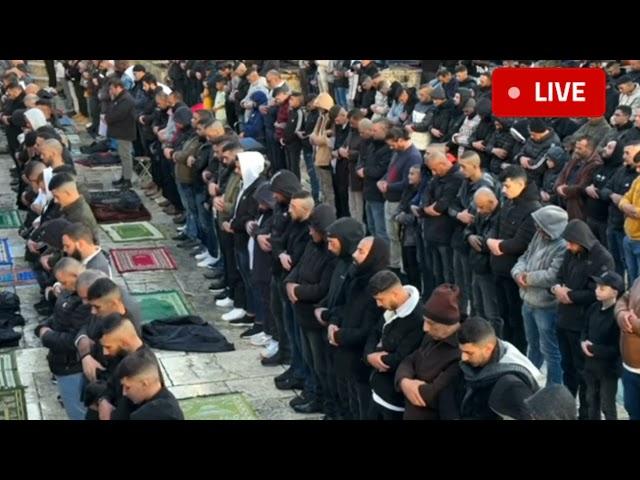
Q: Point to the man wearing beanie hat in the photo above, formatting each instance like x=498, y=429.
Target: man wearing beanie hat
x=306, y=285
x=435, y=365
x=351, y=322
x=397, y=335
x=531, y=156
x=553, y=402
x=556, y=158
x=535, y=272
x=442, y=115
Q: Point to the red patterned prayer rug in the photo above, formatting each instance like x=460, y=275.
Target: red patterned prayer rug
x=142, y=259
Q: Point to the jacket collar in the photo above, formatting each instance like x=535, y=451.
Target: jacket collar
x=406, y=308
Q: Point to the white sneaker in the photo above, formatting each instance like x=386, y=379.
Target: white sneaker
x=202, y=255
x=270, y=349
x=207, y=261
x=182, y=228
x=259, y=339
x=224, y=303
x=234, y=314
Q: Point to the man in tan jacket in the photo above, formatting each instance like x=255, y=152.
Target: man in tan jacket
x=627, y=313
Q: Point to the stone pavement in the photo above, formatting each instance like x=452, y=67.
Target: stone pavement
x=187, y=374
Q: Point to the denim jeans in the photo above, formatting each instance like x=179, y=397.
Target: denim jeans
x=393, y=233
x=188, y=198
x=375, y=219
x=313, y=176
x=632, y=258
x=70, y=388
x=631, y=386
x=540, y=329
x=206, y=229
x=341, y=96
x=615, y=237
x=485, y=300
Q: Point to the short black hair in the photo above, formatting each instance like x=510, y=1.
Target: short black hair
x=79, y=231
x=383, y=281
x=300, y=195
x=442, y=72
x=475, y=330
x=149, y=78
x=590, y=142
x=30, y=167
x=626, y=109
x=138, y=67
x=112, y=321
x=46, y=133
x=115, y=82
x=60, y=179
x=206, y=117
x=137, y=362
x=461, y=68
x=231, y=145
x=397, y=133
x=101, y=288
x=514, y=172
x=177, y=95
x=355, y=113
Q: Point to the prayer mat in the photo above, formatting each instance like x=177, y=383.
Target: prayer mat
x=160, y=305
x=6, y=260
x=142, y=259
x=132, y=232
x=117, y=206
x=232, y=406
x=12, y=401
x=99, y=159
x=10, y=219
x=17, y=277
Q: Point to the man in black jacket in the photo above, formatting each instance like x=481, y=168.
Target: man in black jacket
x=398, y=334
x=351, y=322
x=306, y=285
x=514, y=230
x=141, y=379
x=293, y=133
x=58, y=332
x=121, y=126
x=439, y=226
x=585, y=257
x=532, y=154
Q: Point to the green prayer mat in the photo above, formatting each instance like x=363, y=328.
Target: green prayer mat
x=12, y=401
x=161, y=305
x=132, y=232
x=232, y=406
x=10, y=219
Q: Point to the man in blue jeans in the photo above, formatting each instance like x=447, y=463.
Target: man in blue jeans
x=626, y=311
x=535, y=272
x=58, y=332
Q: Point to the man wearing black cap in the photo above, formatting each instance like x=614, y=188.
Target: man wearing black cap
x=600, y=342
x=532, y=155
x=435, y=365
x=575, y=292
x=397, y=335
x=442, y=115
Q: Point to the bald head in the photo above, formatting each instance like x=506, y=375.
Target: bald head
x=85, y=280
x=67, y=271
x=438, y=163
x=485, y=200
x=31, y=89
x=51, y=152
x=365, y=128
x=30, y=100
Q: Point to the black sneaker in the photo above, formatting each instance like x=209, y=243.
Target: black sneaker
x=288, y=373
x=117, y=183
x=41, y=304
x=221, y=295
x=218, y=285
x=180, y=237
x=190, y=243
x=255, y=328
x=274, y=361
x=125, y=185
x=299, y=400
x=213, y=274
x=241, y=322
x=45, y=311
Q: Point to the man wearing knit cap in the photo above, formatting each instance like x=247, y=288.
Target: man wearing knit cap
x=397, y=335
x=532, y=155
x=435, y=365
x=442, y=115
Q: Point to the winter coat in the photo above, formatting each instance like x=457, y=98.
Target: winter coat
x=120, y=116
x=375, y=164
x=577, y=175
x=481, y=226
x=186, y=334
x=442, y=191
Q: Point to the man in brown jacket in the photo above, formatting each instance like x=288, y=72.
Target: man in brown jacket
x=576, y=176
x=435, y=365
x=627, y=313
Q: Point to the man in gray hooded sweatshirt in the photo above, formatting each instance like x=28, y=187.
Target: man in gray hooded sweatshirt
x=535, y=272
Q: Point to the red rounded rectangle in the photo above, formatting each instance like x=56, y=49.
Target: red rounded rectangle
x=548, y=92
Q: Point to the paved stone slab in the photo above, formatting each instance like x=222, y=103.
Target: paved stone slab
x=199, y=390
x=246, y=364
x=279, y=409
x=194, y=369
x=48, y=393
x=258, y=388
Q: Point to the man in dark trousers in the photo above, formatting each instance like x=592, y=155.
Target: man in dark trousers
x=514, y=230
x=351, y=322
x=121, y=126
x=397, y=335
x=436, y=364
x=142, y=385
x=575, y=291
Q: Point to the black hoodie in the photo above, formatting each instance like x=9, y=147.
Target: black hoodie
x=261, y=271
x=349, y=232
x=359, y=313
x=620, y=183
x=286, y=183
x=500, y=138
x=515, y=226
x=576, y=272
x=598, y=209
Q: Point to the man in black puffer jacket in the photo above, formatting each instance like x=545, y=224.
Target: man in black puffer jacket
x=514, y=230
x=443, y=116
x=500, y=146
x=585, y=258
x=306, y=285
x=531, y=156
x=351, y=322
x=58, y=333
